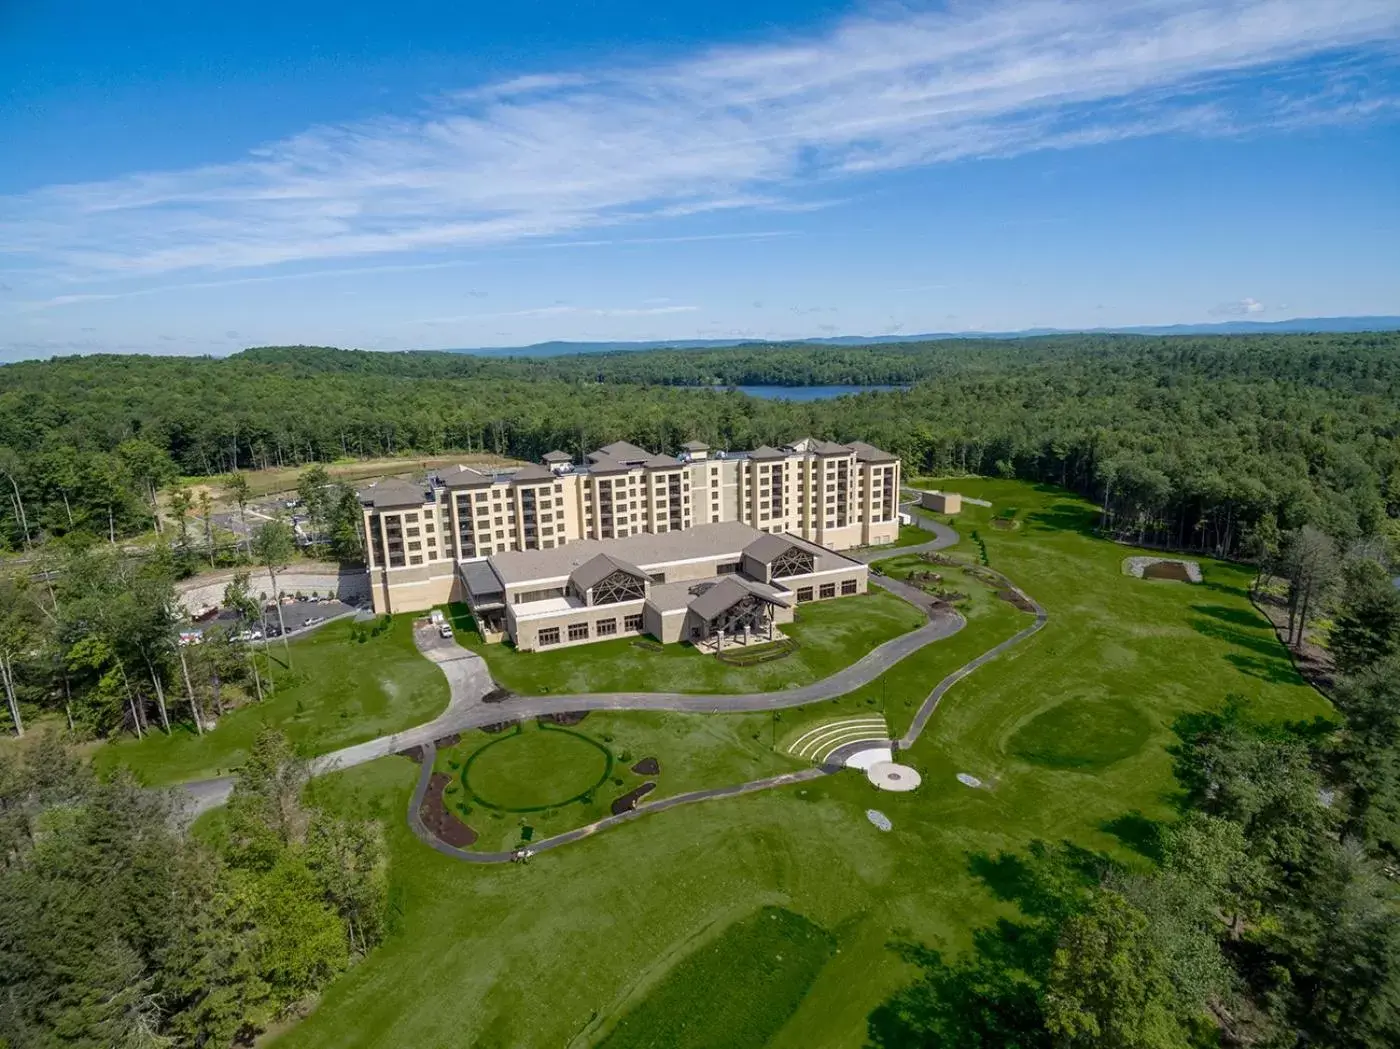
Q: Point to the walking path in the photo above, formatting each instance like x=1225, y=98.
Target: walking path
x=469, y=681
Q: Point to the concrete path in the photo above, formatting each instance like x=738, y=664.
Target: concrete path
x=469, y=681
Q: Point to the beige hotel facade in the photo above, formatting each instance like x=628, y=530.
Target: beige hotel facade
x=426, y=543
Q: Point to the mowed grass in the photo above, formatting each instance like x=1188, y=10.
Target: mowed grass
x=557, y=951
x=830, y=635
x=694, y=751
x=535, y=766
x=338, y=692
x=734, y=992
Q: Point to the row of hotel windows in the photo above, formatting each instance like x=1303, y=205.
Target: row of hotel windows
x=602, y=628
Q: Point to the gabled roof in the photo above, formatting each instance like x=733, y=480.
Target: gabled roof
x=603, y=465
x=531, y=473
x=384, y=495
x=466, y=477
x=622, y=451
x=768, y=548
x=662, y=462
x=696, y=446
x=830, y=448
x=802, y=444
x=557, y=457
x=764, y=451
x=594, y=571
x=727, y=592
x=868, y=453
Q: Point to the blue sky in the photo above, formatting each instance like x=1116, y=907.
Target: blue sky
x=189, y=178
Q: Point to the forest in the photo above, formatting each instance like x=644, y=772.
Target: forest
x=1215, y=443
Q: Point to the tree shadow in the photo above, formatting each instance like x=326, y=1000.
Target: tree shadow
x=1048, y=882
x=1234, y=616
x=1137, y=832
x=1276, y=671
x=1066, y=517
x=1232, y=635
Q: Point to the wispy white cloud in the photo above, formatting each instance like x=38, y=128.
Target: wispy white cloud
x=1246, y=307
x=554, y=155
x=560, y=310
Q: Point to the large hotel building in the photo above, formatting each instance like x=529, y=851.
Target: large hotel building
x=494, y=540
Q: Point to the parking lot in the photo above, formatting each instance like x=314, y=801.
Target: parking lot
x=299, y=616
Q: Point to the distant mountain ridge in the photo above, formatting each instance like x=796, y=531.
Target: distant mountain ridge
x=559, y=348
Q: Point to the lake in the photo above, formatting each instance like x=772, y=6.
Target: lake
x=810, y=393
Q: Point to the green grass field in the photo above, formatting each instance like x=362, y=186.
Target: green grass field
x=830, y=635
x=341, y=692
x=614, y=936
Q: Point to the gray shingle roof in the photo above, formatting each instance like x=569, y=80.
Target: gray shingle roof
x=764, y=451
x=622, y=451
x=767, y=548
x=466, y=477
x=696, y=446
x=385, y=495
x=830, y=448
x=662, y=462
x=594, y=571
x=557, y=457
x=868, y=453
x=531, y=473
x=723, y=595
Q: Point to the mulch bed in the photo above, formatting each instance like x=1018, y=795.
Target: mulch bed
x=497, y=695
x=444, y=825
x=448, y=741
x=647, y=767
x=628, y=801
x=498, y=726
x=1016, y=599
x=413, y=754
x=566, y=717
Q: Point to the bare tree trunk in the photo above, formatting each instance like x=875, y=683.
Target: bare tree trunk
x=189, y=691
x=131, y=699
x=7, y=677
x=257, y=678
x=160, y=692
x=277, y=597
x=67, y=509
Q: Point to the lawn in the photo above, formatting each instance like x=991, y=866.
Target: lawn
x=339, y=692
x=829, y=634
x=544, y=778
x=911, y=535
x=1069, y=731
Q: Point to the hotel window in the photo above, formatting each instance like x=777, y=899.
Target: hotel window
x=481, y=497
x=631, y=622
x=605, y=627
x=827, y=590
x=416, y=559
x=410, y=517
x=848, y=586
x=804, y=594
x=430, y=528
x=410, y=531
x=558, y=489
x=500, y=535
x=578, y=631
x=415, y=545
x=549, y=635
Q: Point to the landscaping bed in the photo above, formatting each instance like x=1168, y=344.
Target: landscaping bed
x=440, y=821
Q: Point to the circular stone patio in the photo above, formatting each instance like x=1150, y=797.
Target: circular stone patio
x=892, y=776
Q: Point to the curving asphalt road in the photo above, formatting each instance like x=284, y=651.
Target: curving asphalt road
x=469, y=682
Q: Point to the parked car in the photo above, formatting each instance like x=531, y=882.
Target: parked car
x=445, y=630
x=315, y=621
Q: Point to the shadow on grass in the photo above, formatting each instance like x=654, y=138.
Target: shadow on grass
x=991, y=996
x=1265, y=645
x=1241, y=617
x=1067, y=517
x=1276, y=671
x=1137, y=832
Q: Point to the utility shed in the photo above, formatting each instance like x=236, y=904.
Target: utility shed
x=941, y=502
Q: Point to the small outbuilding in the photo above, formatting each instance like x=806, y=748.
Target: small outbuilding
x=941, y=502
